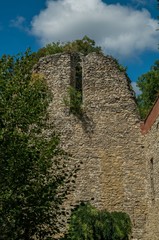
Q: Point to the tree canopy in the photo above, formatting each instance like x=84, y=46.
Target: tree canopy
x=32, y=166
x=148, y=84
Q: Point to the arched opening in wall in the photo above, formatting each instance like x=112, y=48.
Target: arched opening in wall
x=152, y=179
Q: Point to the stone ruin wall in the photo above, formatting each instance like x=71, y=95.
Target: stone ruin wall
x=107, y=139
x=151, y=140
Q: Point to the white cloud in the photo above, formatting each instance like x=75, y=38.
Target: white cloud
x=139, y=2
x=120, y=30
x=136, y=89
x=144, y=3
x=20, y=23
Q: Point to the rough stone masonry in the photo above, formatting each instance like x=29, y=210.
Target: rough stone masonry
x=119, y=170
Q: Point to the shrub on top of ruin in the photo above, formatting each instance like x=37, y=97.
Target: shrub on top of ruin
x=85, y=46
x=88, y=223
x=120, y=66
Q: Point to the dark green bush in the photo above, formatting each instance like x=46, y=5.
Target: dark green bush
x=88, y=223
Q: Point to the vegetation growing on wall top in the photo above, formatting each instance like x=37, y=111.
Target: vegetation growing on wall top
x=84, y=46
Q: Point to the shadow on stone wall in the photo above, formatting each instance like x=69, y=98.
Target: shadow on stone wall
x=87, y=122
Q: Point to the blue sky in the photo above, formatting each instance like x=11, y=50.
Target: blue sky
x=124, y=29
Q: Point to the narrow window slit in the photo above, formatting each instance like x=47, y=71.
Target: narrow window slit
x=152, y=179
x=78, y=79
x=76, y=88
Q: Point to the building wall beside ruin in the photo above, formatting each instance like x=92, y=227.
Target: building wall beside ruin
x=106, y=140
x=151, y=139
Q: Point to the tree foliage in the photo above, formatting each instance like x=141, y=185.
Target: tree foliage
x=84, y=46
x=87, y=223
x=32, y=166
x=148, y=84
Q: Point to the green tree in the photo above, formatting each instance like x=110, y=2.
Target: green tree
x=88, y=223
x=148, y=84
x=32, y=166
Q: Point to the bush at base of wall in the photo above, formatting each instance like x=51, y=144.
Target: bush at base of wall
x=88, y=223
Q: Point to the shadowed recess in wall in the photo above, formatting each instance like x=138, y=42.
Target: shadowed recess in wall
x=76, y=94
x=87, y=123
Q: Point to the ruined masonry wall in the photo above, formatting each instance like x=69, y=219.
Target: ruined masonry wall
x=107, y=139
x=152, y=160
